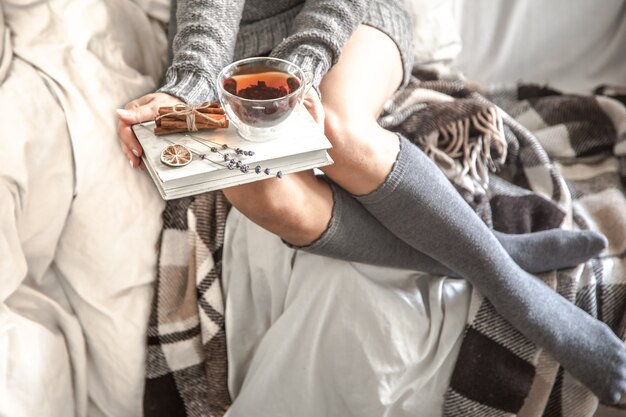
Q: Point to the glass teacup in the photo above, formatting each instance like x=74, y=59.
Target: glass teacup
x=259, y=95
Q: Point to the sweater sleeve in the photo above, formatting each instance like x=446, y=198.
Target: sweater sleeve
x=203, y=45
x=319, y=33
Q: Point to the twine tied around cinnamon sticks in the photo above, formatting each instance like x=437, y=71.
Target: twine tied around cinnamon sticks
x=189, y=118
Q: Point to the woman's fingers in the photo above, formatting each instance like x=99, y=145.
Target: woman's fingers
x=313, y=104
x=138, y=113
x=129, y=141
x=140, y=110
x=134, y=161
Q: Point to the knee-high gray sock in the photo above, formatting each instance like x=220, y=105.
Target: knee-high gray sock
x=418, y=204
x=355, y=235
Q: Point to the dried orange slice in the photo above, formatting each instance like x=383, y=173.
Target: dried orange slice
x=176, y=156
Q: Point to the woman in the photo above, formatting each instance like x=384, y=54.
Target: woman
x=384, y=200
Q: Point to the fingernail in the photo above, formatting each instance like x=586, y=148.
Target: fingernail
x=135, y=152
x=123, y=112
x=131, y=163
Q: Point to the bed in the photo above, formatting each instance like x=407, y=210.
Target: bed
x=79, y=228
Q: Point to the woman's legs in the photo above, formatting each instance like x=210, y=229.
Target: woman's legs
x=355, y=235
x=410, y=196
x=353, y=92
x=298, y=207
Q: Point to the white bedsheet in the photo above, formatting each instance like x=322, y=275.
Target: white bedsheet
x=78, y=226
x=310, y=336
x=40, y=345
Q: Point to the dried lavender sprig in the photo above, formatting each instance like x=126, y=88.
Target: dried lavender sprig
x=223, y=146
x=232, y=162
x=238, y=163
x=226, y=156
x=213, y=149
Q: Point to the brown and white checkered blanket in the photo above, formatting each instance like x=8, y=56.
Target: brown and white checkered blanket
x=186, y=365
x=564, y=158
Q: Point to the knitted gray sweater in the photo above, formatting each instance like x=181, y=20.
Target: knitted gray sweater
x=212, y=33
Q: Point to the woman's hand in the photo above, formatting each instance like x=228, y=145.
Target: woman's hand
x=140, y=110
x=313, y=104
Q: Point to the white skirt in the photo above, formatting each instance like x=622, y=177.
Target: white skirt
x=314, y=336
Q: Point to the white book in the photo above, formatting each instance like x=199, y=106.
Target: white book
x=300, y=146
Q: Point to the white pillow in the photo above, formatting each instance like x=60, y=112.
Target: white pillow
x=435, y=32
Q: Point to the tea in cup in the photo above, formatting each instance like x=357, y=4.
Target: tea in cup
x=259, y=94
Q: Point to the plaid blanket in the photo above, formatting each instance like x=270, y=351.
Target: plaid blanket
x=186, y=365
x=560, y=160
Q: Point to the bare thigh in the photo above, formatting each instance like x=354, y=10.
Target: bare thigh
x=354, y=91
x=369, y=71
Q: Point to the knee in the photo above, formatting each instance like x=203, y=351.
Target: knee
x=344, y=127
x=352, y=131
x=284, y=208
x=354, y=137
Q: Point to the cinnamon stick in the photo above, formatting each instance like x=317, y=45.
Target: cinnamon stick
x=173, y=119
x=200, y=118
x=159, y=131
x=214, y=109
x=200, y=124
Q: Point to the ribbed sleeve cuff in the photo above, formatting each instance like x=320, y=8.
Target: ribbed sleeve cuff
x=191, y=87
x=309, y=60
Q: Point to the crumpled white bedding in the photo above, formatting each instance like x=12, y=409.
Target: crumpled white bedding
x=78, y=227
x=313, y=336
